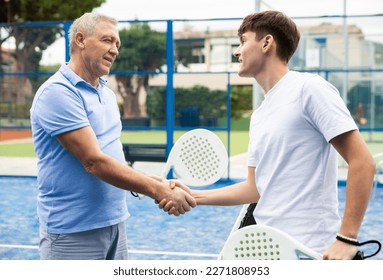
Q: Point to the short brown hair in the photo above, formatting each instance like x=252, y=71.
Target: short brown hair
x=280, y=26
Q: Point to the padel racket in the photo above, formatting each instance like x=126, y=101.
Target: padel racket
x=240, y=217
x=257, y=242
x=198, y=159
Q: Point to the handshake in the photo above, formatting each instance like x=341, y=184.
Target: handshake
x=176, y=198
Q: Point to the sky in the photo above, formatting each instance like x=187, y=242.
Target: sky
x=197, y=9
x=125, y=10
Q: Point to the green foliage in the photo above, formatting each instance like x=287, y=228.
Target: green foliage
x=46, y=10
x=211, y=103
x=142, y=49
x=241, y=101
x=7, y=10
x=49, y=68
x=156, y=103
x=32, y=41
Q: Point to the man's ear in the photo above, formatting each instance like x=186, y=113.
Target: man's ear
x=267, y=42
x=80, y=40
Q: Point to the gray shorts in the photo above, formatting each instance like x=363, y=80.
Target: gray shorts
x=108, y=243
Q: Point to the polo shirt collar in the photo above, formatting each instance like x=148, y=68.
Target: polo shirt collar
x=73, y=78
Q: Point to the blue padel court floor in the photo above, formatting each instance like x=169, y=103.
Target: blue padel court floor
x=152, y=234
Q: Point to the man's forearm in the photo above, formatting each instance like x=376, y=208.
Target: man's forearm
x=358, y=190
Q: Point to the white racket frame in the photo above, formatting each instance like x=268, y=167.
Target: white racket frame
x=198, y=159
x=256, y=242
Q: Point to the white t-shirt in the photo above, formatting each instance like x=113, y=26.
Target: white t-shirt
x=296, y=166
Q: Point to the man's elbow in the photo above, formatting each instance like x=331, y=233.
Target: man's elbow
x=373, y=166
x=92, y=164
x=369, y=166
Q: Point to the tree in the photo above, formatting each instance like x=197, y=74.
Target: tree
x=142, y=49
x=31, y=41
x=202, y=103
x=241, y=101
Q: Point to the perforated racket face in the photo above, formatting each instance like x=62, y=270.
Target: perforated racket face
x=199, y=158
x=257, y=245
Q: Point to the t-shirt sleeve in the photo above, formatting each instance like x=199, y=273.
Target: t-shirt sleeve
x=60, y=110
x=325, y=109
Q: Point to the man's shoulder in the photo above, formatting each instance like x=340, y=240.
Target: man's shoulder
x=303, y=75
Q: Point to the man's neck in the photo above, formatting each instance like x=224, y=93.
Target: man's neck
x=268, y=78
x=82, y=73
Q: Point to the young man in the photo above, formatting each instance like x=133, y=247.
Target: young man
x=294, y=138
x=82, y=174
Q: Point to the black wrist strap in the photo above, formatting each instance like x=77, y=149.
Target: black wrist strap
x=360, y=255
x=372, y=242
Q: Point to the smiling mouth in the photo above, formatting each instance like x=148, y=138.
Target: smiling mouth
x=110, y=60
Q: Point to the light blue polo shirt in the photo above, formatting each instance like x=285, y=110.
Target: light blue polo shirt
x=69, y=198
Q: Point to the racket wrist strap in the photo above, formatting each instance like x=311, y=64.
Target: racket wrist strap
x=355, y=242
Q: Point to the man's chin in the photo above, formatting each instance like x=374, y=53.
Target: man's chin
x=244, y=74
x=105, y=71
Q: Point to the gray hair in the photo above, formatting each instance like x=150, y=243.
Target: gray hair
x=87, y=24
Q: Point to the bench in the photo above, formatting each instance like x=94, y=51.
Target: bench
x=144, y=152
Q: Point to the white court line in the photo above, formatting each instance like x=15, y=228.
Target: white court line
x=19, y=246
x=172, y=253
x=144, y=252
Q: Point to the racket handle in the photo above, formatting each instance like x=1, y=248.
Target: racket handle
x=359, y=256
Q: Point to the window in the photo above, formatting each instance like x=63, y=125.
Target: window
x=190, y=51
